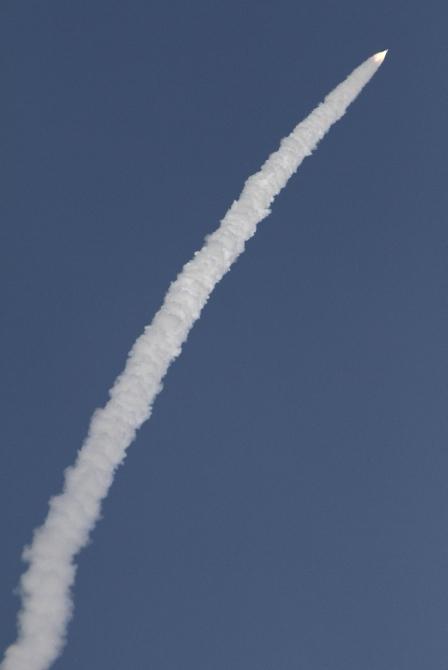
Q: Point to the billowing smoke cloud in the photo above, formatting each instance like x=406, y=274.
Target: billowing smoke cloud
x=46, y=585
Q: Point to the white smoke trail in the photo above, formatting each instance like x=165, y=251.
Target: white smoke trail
x=45, y=586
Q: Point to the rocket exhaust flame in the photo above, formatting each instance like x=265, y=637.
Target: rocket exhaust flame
x=380, y=56
x=46, y=585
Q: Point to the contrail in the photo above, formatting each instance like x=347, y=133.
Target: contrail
x=46, y=585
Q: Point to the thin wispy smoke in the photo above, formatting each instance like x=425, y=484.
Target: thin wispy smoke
x=46, y=585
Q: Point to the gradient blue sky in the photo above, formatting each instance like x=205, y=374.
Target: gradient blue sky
x=286, y=506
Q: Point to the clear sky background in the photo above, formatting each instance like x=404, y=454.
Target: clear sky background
x=286, y=506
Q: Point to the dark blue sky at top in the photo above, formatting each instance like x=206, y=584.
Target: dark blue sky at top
x=286, y=506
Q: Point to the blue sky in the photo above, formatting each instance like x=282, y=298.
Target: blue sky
x=286, y=505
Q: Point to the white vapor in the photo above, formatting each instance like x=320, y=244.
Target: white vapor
x=46, y=585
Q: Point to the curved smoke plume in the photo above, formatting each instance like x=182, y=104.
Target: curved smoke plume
x=46, y=585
